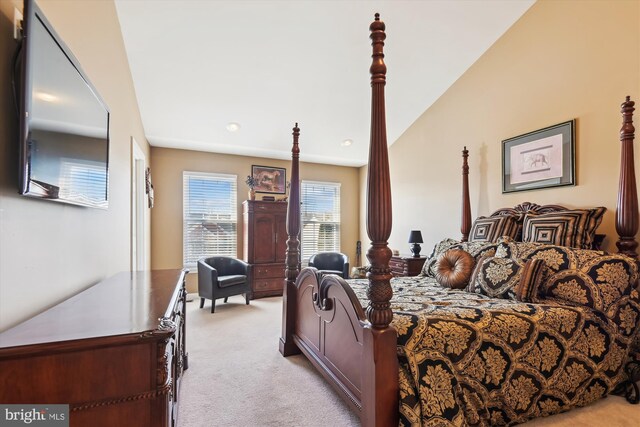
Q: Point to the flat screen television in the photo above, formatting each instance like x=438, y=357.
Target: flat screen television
x=64, y=123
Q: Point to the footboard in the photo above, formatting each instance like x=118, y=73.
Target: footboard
x=332, y=331
x=329, y=329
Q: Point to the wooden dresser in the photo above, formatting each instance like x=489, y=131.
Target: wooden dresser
x=265, y=244
x=114, y=352
x=406, y=265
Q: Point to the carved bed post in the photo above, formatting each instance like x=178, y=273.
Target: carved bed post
x=292, y=268
x=627, y=208
x=466, y=204
x=380, y=373
x=378, y=191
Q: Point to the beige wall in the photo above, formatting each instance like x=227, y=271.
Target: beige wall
x=561, y=60
x=167, y=166
x=49, y=251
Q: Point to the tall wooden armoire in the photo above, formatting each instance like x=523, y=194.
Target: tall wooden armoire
x=265, y=244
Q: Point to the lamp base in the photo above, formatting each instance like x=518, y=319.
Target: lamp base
x=415, y=250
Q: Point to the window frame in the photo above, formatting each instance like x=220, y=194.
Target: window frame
x=335, y=222
x=187, y=258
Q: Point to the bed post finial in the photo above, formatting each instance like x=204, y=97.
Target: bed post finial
x=292, y=267
x=378, y=68
x=465, y=226
x=627, y=208
x=379, y=191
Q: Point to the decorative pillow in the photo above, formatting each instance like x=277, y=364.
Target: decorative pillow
x=555, y=257
x=453, y=268
x=359, y=272
x=507, y=278
x=476, y=249
x=440, y=248
x=489, y=229
x=573, y=228
x=604, y=282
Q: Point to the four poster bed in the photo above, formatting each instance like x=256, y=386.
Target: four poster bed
x=416, y=352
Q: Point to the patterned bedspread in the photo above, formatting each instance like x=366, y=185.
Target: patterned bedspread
x=466, y=359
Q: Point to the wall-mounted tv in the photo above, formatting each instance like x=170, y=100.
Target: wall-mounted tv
x=64, y=123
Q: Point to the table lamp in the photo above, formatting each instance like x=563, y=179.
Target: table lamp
x=415, y=238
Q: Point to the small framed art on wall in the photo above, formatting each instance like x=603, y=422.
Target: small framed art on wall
x=540, y=159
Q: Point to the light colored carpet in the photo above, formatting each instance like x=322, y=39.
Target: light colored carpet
x=237, y=377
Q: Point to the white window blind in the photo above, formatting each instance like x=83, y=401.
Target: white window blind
x=210, y=218
x=320, y=213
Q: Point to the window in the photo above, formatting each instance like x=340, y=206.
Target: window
x=210, y=220
x=320, y=213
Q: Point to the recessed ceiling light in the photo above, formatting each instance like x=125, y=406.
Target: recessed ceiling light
x=233, y=127
x=47, y=97
x=347, y=142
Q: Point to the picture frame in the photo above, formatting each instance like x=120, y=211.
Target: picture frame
x=148, y=186
x=270, y=179
x=544, y=158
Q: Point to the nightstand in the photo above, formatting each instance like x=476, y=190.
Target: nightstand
x=406, y=265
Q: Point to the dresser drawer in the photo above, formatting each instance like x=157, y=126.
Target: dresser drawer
x=260, y=285
x=406, y=266
x=266, y=271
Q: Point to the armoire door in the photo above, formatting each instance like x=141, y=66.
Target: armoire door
x=281, y=238
x=264, y=239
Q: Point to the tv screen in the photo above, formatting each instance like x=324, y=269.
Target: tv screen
x=64, y=124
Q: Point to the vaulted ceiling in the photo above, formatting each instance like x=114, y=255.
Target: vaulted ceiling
x=201, y=65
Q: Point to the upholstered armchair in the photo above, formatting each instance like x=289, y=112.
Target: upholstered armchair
x=222, y=277
x=331, y=263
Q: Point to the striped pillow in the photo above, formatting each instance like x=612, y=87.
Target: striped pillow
x=572, y=228
x=489, y=229
x=507, y=278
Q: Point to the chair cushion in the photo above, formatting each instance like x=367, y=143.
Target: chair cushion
x=232, y=280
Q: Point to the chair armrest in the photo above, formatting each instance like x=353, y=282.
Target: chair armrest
x=237, y=266
x=206, y=273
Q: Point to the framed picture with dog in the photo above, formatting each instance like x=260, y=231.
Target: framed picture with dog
x=269, y=179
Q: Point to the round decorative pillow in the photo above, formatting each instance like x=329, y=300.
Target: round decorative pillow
x=453, y=268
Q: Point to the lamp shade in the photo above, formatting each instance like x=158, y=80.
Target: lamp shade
x=415, y=236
